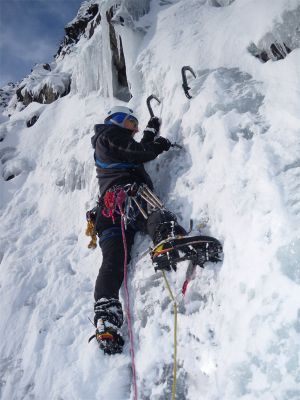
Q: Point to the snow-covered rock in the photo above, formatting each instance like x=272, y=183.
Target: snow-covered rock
x=6, y=94
x=44, y=85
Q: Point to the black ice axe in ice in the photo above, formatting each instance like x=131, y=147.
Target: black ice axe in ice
x=185, y=85
x=149, y=99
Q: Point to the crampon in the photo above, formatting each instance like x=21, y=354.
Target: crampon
x=109, y=341
x=198, y=249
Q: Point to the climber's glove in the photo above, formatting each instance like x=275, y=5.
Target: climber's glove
x=153, y=126
x=162, y=144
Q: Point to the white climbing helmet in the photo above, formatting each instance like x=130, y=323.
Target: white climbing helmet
x=118, y=115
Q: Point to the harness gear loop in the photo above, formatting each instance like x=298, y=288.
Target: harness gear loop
x=175, y=335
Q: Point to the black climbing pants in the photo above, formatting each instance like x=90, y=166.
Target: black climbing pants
x=111, y=273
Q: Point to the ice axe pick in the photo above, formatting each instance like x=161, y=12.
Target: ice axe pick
x=149, y=99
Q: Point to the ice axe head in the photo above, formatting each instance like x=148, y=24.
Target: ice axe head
x=149, y=104
x=185, y=85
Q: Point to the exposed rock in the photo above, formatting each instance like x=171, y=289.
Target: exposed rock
x=76, y=28
x=220, y=3
x=276, y=51
x=43, y=85
x=47, y=67
x=32, y=121
x=120, y=83
x=94, y=23
x=46, y=95
x=284, y=38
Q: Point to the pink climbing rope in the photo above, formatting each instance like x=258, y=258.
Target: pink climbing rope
x=120, y=200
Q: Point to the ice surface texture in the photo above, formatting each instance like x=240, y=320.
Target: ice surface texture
x=239, y=325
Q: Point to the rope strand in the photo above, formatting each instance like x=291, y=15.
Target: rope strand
x=127, y=307
x=175, y=336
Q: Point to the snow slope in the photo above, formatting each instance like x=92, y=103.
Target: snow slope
x=237, y=177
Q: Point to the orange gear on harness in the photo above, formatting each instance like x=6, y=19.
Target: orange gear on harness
x=91, y=228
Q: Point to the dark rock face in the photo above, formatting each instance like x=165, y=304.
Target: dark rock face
x=276, y=51
x=94, y=23
x=46, y=95
x=76, y=29
x=281, y=40
x=47, y=67
x=32, y=121
x=120, y=83
x=220, y=3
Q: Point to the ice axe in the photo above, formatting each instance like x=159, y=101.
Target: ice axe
x=149, y=99
x=185, y=85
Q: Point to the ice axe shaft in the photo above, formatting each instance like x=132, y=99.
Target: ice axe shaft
x=151, y=97
x=177, y=145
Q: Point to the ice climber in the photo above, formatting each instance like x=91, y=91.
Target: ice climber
x=119, y=160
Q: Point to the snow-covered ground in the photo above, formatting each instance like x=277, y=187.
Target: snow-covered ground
x=237, y=177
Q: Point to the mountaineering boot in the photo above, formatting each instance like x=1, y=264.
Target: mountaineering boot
x=108, y=319
x=172, y=244
x=108, y=338
x=162, y=226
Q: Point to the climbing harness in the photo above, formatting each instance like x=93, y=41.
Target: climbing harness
x=138, y=199
x=185, y=85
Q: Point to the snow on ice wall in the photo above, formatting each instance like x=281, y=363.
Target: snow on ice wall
x=238, y=177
